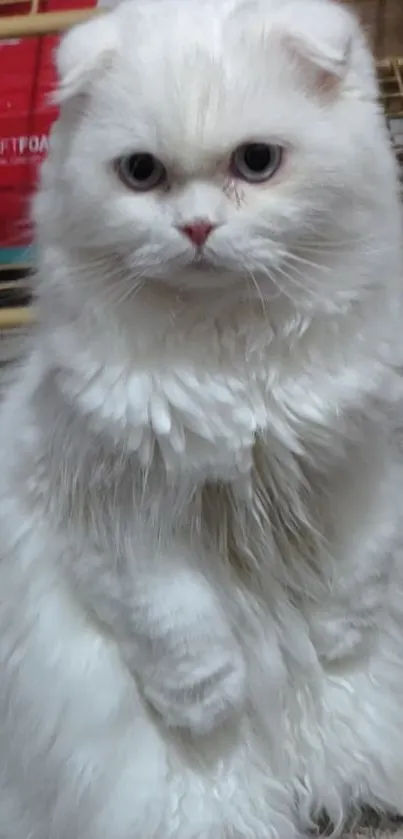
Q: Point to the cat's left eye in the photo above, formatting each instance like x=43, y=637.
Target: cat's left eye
x=141, y=171
x=256, y=162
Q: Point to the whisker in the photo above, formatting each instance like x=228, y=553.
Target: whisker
x=293, y=257
x=273, y=279
x=255, y=285
x=117, y=295
x=292, y=277
x=293, y=282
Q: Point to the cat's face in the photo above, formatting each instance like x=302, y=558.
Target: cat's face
x=207, y=147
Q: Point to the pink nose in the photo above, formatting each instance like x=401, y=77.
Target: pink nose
x=197, y=231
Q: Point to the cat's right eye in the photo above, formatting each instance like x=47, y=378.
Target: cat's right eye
x=140, y=171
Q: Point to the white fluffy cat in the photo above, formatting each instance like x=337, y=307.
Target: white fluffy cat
x=201, y=577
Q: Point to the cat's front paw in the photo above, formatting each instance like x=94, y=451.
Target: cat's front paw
x=201, y=702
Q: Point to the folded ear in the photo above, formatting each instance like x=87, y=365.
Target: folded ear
x=83, y=53
x=326, y=37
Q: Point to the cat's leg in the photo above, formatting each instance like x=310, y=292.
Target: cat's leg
x=172, y=632
x=80, y=756
x=359, y=763
x=81, y=753
x=190, y=666
x=357, y=631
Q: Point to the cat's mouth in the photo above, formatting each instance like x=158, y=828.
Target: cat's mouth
x=205, y=272
x=203, y=262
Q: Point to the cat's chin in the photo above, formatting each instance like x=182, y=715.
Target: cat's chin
x=204, y=274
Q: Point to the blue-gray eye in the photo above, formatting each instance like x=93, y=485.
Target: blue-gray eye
x=256, y=162
x=141, y=171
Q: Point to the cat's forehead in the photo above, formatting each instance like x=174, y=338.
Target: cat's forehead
x=215, y=72
x=194, y=78
x=180, y=35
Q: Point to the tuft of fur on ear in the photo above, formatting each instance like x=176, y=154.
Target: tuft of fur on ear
x=83, y=53
x=324, y=37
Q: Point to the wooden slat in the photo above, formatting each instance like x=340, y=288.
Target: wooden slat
x=390, y=72
x=15, y=317
x=44, y=23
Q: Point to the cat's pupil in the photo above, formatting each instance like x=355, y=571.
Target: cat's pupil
x=257, y=157
x=142, y=166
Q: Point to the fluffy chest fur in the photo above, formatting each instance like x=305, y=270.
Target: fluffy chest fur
x=199, y=421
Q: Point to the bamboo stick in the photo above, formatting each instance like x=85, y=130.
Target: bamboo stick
x=388, y=62
x=45, y=23
x=15, y=316
x=15, y=266
x=6, y=285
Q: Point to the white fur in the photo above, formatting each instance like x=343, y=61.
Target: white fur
x=201, y=608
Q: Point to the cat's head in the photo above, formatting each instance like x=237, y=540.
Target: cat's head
x=210, y=144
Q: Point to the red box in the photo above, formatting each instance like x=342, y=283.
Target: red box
x=27, y=77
